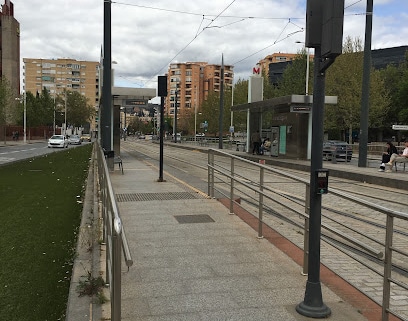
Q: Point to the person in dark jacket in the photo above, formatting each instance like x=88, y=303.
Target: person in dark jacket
x=386, y=156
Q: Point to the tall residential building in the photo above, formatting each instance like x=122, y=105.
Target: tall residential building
x=10, y=46
x=275, y=58
x=193, y=81
x=56, y=75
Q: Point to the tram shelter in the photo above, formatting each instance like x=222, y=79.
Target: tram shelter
x=126, y=99
x=289, y=123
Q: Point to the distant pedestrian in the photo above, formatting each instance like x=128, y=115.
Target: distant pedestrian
x=256, y=142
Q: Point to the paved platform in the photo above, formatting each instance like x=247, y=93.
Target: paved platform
x=195, y=261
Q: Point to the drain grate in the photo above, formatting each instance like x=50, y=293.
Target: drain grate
x=200, y=218
x=140, y=197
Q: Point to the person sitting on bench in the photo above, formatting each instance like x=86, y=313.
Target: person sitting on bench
x=399, y=158
x=266, y=145
x=386, y=156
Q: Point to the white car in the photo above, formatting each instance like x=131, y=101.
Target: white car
x=58, y=141
x=74, y=140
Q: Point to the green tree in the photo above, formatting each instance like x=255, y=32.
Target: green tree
x=293, y=78
x=344, y=79
x=396, y=82
x=79, y=112
x=7, y=102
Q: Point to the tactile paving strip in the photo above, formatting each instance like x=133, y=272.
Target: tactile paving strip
x=140, y=197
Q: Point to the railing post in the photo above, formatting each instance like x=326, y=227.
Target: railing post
x=306, y=233
x=387, y=267
x=116, y=270
x=211, y=173
x=232, y=187
x=260, y=205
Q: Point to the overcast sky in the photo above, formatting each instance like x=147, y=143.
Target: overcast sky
x=149, y=35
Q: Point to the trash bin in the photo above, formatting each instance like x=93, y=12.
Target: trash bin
x=274, y=148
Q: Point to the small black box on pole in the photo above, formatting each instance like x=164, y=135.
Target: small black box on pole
x=332, y=28
x=314, y=11
x=162, y=86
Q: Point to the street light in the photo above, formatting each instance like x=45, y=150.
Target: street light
x=25, y=115
x=307, y=68
x=309, y=143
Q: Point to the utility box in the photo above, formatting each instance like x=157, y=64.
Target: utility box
x=274, y=148
x=322, y=181
x=314, y=13
x=332, y=28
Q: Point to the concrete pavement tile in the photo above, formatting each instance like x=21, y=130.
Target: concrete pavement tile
x=173, y=317
x=255, y=269
x=143, y=289
x=191, y=303
x=225, y=284
x=175, y=273
x=241, y=314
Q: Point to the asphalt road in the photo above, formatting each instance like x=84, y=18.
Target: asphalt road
x=17, y=151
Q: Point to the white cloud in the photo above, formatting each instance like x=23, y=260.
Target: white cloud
x=146, y=40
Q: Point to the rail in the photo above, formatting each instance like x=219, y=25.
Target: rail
x=113, y=235
x=225, y=180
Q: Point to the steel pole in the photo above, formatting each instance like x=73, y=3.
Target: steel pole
x=221, y=115
x=106, y=114
x=363, y=139
x=161, y=137
x=25, y=116
x=175, y=117
x=312, y=305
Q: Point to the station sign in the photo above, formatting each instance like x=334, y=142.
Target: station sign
x=400, y=127
x=136, y=102
x=303, y=109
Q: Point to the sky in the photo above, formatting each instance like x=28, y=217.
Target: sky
x=149, y=35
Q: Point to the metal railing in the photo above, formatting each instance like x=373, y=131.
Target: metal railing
x=225, y=179
x=113, y=235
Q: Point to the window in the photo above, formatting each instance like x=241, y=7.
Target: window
x=189, y=73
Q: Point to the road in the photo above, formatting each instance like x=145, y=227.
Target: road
x=17, y=151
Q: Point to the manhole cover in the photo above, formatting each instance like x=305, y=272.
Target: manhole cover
x=186, y=219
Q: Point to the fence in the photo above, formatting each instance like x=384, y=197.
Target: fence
x=228, y=182
x=113, y=235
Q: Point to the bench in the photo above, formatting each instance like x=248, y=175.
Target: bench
x=203, y=142
x=399, y=162
x=243, y=144
x=118, y=160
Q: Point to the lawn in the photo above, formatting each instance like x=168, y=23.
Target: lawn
x=40, y=215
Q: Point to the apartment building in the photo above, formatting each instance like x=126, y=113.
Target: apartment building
x=10, y=46
x=275, y=58
x=56, y=75
x=193, y=81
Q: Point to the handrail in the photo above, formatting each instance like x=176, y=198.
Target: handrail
x=113, y=235
x=258, y=187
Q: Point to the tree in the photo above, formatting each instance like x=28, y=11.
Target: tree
x=344, y=80
x=293, y=78
x=79, y=112
x=396, y=82
x=7, y=102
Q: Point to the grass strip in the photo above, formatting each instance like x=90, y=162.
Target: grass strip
x=41, y=207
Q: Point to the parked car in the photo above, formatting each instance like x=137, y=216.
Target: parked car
x=58, y=141
x=337, y=149
x=74, y=140
x=85, y=137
